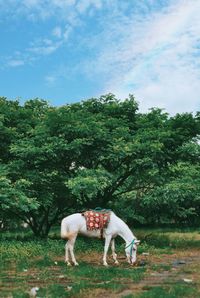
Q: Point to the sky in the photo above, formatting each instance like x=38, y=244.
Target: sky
x=66, y=51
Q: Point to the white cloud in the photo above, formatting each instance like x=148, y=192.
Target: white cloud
x=146, y=47
x=50, y=80
x=44, y=50
x=67, y=32
x=57, y=32
x=15, y=63
x=36, y=9
x=154, y=57
x=63, y=3
x=46, y=41
x=66, y=13
x=83, y=5
x=31, y=3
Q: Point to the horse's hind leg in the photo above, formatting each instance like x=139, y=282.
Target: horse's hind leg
x=113, y=251
x=71, y=249
x=67, y=254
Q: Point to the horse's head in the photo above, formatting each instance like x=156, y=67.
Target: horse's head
x=131, y=251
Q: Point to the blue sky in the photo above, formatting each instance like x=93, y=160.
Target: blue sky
x=68, y=50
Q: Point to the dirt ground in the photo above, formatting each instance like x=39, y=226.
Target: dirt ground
x=183, y=266
x=161, y=270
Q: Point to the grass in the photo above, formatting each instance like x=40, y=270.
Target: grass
x=177, y=291
x=168, y=238
x=27, y=262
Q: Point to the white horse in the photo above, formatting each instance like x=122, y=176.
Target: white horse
x=75, y=224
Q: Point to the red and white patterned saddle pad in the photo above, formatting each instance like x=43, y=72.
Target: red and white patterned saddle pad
x=96, y=220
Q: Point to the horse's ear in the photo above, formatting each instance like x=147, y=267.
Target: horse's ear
x=137, y=242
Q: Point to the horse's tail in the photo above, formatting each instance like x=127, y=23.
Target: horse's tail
x=65, y=234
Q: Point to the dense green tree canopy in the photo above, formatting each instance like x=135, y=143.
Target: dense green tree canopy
x=99, y=152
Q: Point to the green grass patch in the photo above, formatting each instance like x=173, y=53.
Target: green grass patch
x=101, y=273
x=55, y=290
x=160, y=267
x=176, y=291
x=169, y=241
x=27, y=262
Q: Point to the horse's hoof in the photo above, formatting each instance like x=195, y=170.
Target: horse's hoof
x=76, y=264
x=116, y=263
x=68, y=264
x=105, y=264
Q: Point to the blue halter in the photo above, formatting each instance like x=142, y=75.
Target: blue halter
x=131, y=247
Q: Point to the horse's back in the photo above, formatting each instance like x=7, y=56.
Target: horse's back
x=73, y=219
x=76, y=223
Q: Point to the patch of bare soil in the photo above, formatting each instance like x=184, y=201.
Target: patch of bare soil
x=182, y=266
x=161, y=270
x=15, y=279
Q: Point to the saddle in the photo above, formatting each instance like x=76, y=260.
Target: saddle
x=97, y=219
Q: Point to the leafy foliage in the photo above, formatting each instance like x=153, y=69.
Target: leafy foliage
x=99, y=152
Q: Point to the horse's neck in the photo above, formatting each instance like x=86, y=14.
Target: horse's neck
x=125, y=232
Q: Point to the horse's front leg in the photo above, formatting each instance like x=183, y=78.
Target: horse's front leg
x=113, y=251
x=106, y=247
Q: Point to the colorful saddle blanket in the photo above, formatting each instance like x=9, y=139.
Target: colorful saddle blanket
x=97, y=219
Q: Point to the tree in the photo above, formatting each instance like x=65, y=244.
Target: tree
x=99, y=152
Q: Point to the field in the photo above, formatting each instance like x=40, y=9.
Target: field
x=168, y=265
